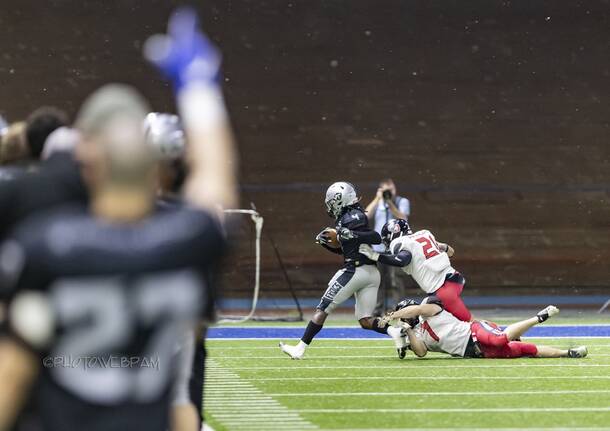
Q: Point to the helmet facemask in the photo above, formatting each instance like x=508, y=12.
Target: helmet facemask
x=393, y=229
x=339, y=196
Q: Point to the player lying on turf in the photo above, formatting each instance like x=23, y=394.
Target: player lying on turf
x=426, y=260
x=430, y=327
x=358, y=277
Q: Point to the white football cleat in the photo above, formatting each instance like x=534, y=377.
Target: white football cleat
x=400, y=340
x=578, y=352
x=549, y=311
x=293, y=351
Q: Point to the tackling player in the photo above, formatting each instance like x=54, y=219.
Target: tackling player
x=426, y=260
x=431, y=327
x=94, y=288
x=358, y=277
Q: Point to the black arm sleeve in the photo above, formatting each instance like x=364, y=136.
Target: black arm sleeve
x=333, y=250
x=401, y=259
x=368, y=237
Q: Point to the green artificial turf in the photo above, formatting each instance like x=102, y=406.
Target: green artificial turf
x=361, y=384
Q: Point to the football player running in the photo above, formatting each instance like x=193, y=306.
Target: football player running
x=430, y=327
x=358, y=277
x=426, y=260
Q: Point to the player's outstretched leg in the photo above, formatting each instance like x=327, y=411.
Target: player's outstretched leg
x=399, y=335
x=552, y=352
x=366, y=300
x=516, y=330
x=313, y=327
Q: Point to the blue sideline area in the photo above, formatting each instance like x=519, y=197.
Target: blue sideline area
x=347, y=332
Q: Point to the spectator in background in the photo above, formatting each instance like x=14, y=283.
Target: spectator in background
x=13, y=147
x=40, y=124
x=387, y=205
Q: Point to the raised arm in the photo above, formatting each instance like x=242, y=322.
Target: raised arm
x=372, y=206
x=189, y=59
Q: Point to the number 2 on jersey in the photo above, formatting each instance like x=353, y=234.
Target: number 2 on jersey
x=430, y=248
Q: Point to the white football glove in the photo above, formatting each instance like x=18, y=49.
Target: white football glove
x=321, y=238
x=386, y=319
x=346, y=234
x=368, y=251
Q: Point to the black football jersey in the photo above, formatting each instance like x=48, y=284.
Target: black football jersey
x=118, y=298
x=56, y=181
x=356, y=220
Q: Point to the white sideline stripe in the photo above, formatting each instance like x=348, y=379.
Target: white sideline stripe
x=348, y=326
x=427, y=394
x=396, y=367
x=476, y=410
x=265, y=379
x=241, y=403
x=387, y=341
x=274, y=340
x=248, y=405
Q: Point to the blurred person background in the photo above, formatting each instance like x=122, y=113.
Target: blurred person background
x=385, y=206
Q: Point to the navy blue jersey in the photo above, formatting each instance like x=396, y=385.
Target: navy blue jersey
x=355, y=219
x=55, y=181
x=118, y=297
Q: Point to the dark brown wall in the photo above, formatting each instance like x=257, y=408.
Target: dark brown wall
x=492, y=116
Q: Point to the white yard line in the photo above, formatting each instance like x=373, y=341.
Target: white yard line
x=428, y=394
x=474, y=410
x=474, y=429
x=350, y=378
x=340, y=357
x=237, y=404
x=400, y=367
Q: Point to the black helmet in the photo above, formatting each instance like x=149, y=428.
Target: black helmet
x=407, y=302
x=393, y=229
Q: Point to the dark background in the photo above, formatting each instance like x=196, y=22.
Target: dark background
x=492, y=117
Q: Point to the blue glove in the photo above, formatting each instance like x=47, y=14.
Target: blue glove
x=184, y=54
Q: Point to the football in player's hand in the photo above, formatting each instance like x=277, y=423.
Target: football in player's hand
x=329, y=237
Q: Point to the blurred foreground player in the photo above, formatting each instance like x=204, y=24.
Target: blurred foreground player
x=430, y=327
x=102, y=294
x=426, y=260
x=359, y=276
x=164, y=134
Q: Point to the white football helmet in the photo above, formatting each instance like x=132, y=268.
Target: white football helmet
x=338, y=196
x=163, y=132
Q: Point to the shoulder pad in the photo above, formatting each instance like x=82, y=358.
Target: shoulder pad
x=396, y=245
x=353, y=219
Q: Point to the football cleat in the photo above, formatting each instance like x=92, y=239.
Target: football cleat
x=578, y=352
x=293, y=351
x=400, y=340
x=549, y=311
x=402, y=352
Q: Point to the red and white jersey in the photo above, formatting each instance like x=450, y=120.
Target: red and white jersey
x=428, y=265
x=444, y=333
